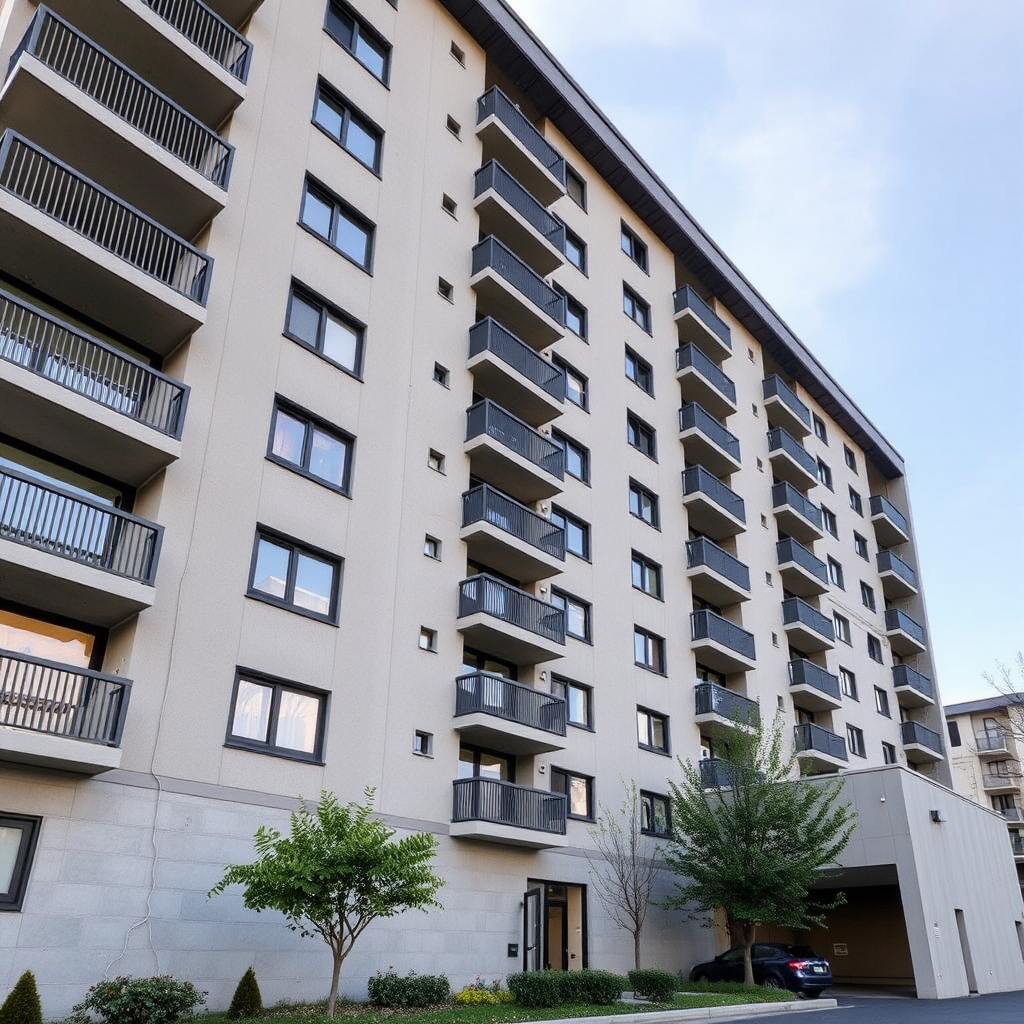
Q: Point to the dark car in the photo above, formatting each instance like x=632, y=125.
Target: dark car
x=777, y=964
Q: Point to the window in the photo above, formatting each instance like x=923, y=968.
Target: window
x=842, y=627
x=428, y=639
x=851, y=459
x=578, y=701
x=341, y=227
x=633, y=248
x=646, y=575
x=575, y=313
x=828, y=519
x=458, y=53
x=576, y=188
x=639, y=371
x=652, y=731
x=442, y=375
x=576, y=250
x=310, y=446
x=293, y=576
x=953, y=728
x=824, y=474
x=577, y=614
x=888, y=753
x=874, y=648
x=577, y=532
x=476, y=763
x=576, y=390
x=577, y=458
x=445, y=289
x=835, y=573
x=655, y=817
x=860, y=545
x=882, y=702
x=366, y=45
x=435, y=461
x=867, y=596
x=855, y=741
x=648, y=650
x=449, y=205
x=356, y=134
x=19, y=834
x=636, y=309
x=432, y=547
x=315, y=323
x=643, y=503
x=273, y=716
x=423, y=743
x=848, y=683
x=641, y=436
x=855, y=503
x=453, y=126
x=819, y=428
x=578, y=790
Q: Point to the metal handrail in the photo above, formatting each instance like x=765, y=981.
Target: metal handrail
x=704, y=551
x=895, y=619
x=775, y=387
x=882, y=506
x=784, y=493
x=698, y=479
x=486, y=593
x=490, y=252
x=209, y=31
x=915, y=732
x=805, y=673
x=791, y=550
x=709, y=625
x=888, y=562
x=690, y=355
x=712, y=699
x=493, y=175
x=496, y=695
x=505, y=803
x=780, y=439
x=687, y=298
x=904, y=675
x=987, y=740
x=693, y=416
x=796, y=609
x=807, y=736
x=490, y=336
x=487, y=417
x=488, y=505
x=495, y=102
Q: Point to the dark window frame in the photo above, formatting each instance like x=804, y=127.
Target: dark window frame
x=640, y=306
x=566, y=518
x=650, y=714
x=361, y=28
x=567, y=774
x=840, y=630
x=642, y=429
x=640, y=364
x=829, y=522
x=645, y=563
x=867, y=596
x=889, y=753
x=882, y=702
x=848, y=684
x=850, y=458
x=874, y=646
x=820, y=429
x=824, y=474
x=295, y=546
x=856, y=502
x=30, y=826
x=637, y=251
x=835, y=573
x=658, y=647
x=575, y=308
x=349, y=112
x=327, y=307
x=571, y=370
x=567, y=683
x=855, y=741
x=647, y=797
x=571, y=238
x=587, y=607
x=860, y=545
x=584, y=452
x=571, y=173
x=339, y=207
x=296, y=411
x=635, y=487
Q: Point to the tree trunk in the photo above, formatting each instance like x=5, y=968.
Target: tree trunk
x=748, y=965
x=332, y=999
x=636, y=949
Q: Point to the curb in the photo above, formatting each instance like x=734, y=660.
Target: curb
x=734, y=1010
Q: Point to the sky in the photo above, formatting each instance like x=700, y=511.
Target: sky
x=862, y=163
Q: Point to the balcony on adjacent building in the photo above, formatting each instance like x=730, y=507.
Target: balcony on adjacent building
x=991, y=744
x=712, y=508
x=719, y=644
x=1001, y=782
x=1012, y=813
x=797, y=516
x=509, y=623
x=66, y=392
x=818, y=748
x=783, y=408
x=715, y=705
x=802, y=572
x=91, y=251
x=499, y=714
x=790, y=460
x=70, y=555
x=88, y=109
x=60, y=716
x=898, y=579
x=813, y=687
x=714, y=574
x=906, y=636
x=700, y=325
x=509, y=537
x=508, y=136
x=921, y=744
x=506, y=368
x=1017, y=844
x=502, y=812
x=806, y=628
x=891, y=526
x=702, y=381
x=913, y=690
x=706, y=442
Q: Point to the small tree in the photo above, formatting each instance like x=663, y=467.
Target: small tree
x=756, y=843
x=336, y=872
x=624, y=868
x=247, y=1000
x=22, y=1006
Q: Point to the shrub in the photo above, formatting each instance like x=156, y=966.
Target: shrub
x=755, y=993
x=535, y=988
x=553, y=988
x=247, y=1001
x=412, y=990
x=654, y=984
x=125, y=1000
x=22, y=1006
x=475, y=997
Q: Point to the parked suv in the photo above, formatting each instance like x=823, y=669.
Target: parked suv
x=776, y=964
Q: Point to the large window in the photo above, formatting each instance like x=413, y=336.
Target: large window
x=648, y=650
x=579, y=703
x=274, y=716
x=578, y=790
x=351, y=130
x=364, y=43
x=636, y=308
x=655, y=817
x=306, y=444
x=652, y=730
x=577, y=458
x=338, y=224
x=18, y=836
x=315, y=323
x=577, y=614
x=641, y=436
x=577, y=532
x=643, y=503
x=295, y=577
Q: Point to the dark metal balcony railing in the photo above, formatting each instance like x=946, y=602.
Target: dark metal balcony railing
x=706, y=552
x=207, y=30
x=915, y=732
x=780, y=439
x=687, y=298
x=696, y=479
x=986, y=740
x=51, y=349
x=63, y=523
x=486, y=417
x=888, y=562
x=490, y=336
x=500, y=258
x=716, y=773
x=493, y=175
x=712, y=699
x=484, y=593
x=882, y=506
x=795, y=609
x=775, y=387
x=494, y=101
x=95, y=72
x=487, y=505
x=504, y=803
x=1017, y=844
x=897, y=619
x=905, y=676
x=784, y=493
x=1012, y=814
x=810, y=737
x=45, y=696
x=694, y=416
x=495, y=695
x=790, y=550
x=805, y=673
x=94, y=213
x=1000, y=780
x=708, y=625
x=690, y=355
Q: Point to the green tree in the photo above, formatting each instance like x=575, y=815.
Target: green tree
x=247, y=1000
x=755, y=843
x=22, y=1006
x=336, y=872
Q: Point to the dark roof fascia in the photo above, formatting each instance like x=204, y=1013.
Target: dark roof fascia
x=970, y=707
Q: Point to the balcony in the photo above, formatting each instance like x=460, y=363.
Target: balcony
x=716, y=773
x=84, y=246
x=913, y=690
x=783, y=408
x=921, y=744
x=181, y=47
x=806, y=628
x=891, y=526
x=720, y=644
x=505, y=451
x=711, y=507
x=700, y=325
x=817, y=749
x=509, y=623
x=509, y=537
x=790, y=460
x=906, y=637
x=795, y=514
x=1017, y=844
x=996, y=782
x=812, y=687
x=714, y=574
x=502, y=812
x=715, y=705
x=701, y=381
x=90, y=110
x=706, y=442
x=70, y=555
x=991, y=743
x=1011, y=813
x=66, y=392
x=802, y=572
x=898, y=579
x=59, y=716
x=507, y=369
x=502, y=715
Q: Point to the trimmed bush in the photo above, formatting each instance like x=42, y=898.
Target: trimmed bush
x=412, y=990
x=535, y=988
x=554, y=988
x=653, y=983
x=22, y=1006
x=247, y=1000
x=126, y=1000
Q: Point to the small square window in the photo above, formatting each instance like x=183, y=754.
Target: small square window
x=576, y=188
x=19, y=834
x=575, y=250
x=638, y=310
x=828, y=519
x=428, y=639
x=882, y=702
x=842, y=627
x=633, y=247
x=432, y=547
x=442, y=375
x=445, y=289
x=855, y=502
x=860, y=545
x=819, y=429
x=835, y=573
x=643, y=504
x=824, y=474
x=641, y=436
x=851, y=459
x=639, y=371
x=867, y=596
x=449, y=205
x=855, y=741
x=874, y=648
x=435, y=461
x=848, y=683
x=458, y=53
x=753, y=410
x=453, y=126
x=423, y=743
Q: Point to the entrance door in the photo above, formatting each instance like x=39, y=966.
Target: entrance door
x=533, y=910
x=554, y=926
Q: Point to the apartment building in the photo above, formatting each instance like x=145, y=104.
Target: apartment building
x=371, y=414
